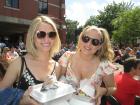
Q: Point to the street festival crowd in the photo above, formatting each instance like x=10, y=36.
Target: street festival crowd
x=110, y=74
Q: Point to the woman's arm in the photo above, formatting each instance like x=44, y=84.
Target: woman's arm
x=12, y=74
x=108, y=89
x=27, y=100
x=62, y=64
x=109, y=84
x=60, y=71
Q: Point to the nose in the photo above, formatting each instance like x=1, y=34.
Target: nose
x=46, y=38
x=89, y=43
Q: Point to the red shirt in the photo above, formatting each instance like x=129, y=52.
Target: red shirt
x=127, y=89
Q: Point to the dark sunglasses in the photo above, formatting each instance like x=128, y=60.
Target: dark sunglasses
x=95, y=42
x=42, y=34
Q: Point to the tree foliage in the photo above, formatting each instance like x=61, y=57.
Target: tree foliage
x=92, y=21
x=110, y=12
x=127, y=27
x=71, y=26
x=120, y=19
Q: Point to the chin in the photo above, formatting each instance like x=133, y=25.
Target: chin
x=86, y=52
x=46, y=50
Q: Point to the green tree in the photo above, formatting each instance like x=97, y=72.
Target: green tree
x=71, y=26
x=93, y=20
x=127, y=27
x=110, y=12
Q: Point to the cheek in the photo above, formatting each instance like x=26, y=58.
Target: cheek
x=52, y=41
x=35, y=42
x=138, y=72
x=80, y=45
x=94, y=50
x=138, y=69
x=97, y=48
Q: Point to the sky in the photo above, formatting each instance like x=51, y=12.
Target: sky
x=81, y=10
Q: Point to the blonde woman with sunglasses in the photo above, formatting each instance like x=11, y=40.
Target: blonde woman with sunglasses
x=89, y=66
x=42, y=43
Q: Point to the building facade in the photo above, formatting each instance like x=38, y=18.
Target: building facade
x=16, y=16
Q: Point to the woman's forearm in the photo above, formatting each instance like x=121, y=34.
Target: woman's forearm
x=110, y=90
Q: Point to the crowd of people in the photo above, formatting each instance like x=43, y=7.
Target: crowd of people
x=121, y=54
x=91, y=63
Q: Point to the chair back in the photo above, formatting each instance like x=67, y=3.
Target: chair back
x=112, y=100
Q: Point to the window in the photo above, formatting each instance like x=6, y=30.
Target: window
x=43, y=7
x=12, y=3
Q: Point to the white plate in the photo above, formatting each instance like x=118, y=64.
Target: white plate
x=52, y=94
x=80, y=100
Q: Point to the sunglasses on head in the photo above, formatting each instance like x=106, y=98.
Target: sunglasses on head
x=95, y=42
x=42, y=34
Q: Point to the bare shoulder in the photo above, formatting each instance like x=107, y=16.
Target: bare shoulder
x=15, y=64
x=12, y=73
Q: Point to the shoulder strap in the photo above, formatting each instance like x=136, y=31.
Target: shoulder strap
x=25, y=62
x=22, y=65
x=21, y=70
x=53, y=69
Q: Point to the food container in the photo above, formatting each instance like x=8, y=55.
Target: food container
x=80, y=100
x=55, y=96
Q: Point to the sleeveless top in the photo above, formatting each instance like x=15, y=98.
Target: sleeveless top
x=27, y=78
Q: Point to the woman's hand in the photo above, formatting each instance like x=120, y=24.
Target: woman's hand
x=50, y=80
x=27, y=100
x=100, y=91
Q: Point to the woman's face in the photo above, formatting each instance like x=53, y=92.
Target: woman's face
x=138, y=70
x=90, y=42
x=44, y=38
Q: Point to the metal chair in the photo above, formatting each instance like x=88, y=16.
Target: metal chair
x=112, y=100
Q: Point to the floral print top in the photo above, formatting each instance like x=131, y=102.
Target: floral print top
x=105, y=68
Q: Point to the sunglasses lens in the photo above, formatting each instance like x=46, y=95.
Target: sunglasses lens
x=95, y=42
x=41, y=34
x=52, y=34
x=85, y=39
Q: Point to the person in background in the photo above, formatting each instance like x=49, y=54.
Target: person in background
x=127, y=87
x=5, y=57
x=127, y=54
x=2, y=71
x=138, y=53
x=42, y=43
x=90, y=63
x=21, y=48
x=13, y=54
x=5, y=54
x=118, y=55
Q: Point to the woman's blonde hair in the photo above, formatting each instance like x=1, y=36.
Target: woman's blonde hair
x=30, y=46
x=106, y=50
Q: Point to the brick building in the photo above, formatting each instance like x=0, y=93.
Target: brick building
x=16, y=16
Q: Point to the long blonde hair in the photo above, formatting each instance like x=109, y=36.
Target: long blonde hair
x=106, y=50
x=30, y=46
